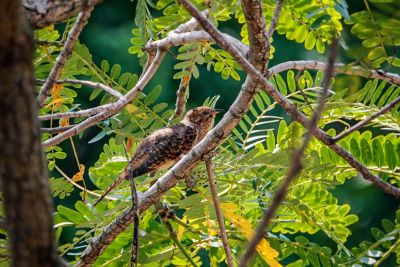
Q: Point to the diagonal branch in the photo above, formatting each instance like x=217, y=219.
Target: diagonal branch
x=286, y=104
x=177, y=38
x=56, y=130
x=212, y=140
x=171, y=178
x=361, y=124
x=219, y=214
x=91, y=84
x=296, y=165
x=338, y=68
x=78, y=114
x=65, y=53
x=275, y=18
x=114, y=107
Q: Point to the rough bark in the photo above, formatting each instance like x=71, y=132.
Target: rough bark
x=42, y=13
x=23, y=176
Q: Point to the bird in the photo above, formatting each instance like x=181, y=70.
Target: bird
x=164, y=147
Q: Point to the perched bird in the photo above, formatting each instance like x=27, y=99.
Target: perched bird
x=164, y=147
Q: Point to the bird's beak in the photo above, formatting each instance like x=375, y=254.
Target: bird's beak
x=218, y=111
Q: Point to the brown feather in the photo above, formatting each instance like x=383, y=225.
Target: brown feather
x=164, y=147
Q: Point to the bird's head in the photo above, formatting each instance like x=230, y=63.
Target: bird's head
x=202, y=117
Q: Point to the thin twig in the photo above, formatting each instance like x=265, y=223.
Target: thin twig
x=172, y=234
x=301, y=90
x=296, y=165
x=338, y=68
x=64, y=54
x=286, y=104
x=361, y=124
x=55, y=130
x=181, y=96
x=182, y=92
x=275, y=18
x=91, y=84
x=79, y=186
x=79, y=168
x=49, y=43
x=134, y=201
x=77, y=114
x=218, y=211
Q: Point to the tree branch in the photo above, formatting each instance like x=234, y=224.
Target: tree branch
x=212, y=140
x=179, y=170
x=361, y=124
x=86, y=191
x=24, y=183
x=91, y=84
x=218, y=211
x=176, y=39
x=338, y=68
x=78, y=114
x=65, y=53
x=286, y=104
x=42, y=13
x=181, y=98
x=275, y=18
x=112, y=108
x=296, y=165
x=56, y=130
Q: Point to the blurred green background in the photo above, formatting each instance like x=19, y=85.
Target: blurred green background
x=107, y=36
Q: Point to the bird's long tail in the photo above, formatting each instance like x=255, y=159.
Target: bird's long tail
x=117, y=182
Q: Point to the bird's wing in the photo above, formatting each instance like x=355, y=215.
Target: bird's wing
x=164, y=147
x=159, y=150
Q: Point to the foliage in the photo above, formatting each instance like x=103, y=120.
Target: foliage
x=251, y=163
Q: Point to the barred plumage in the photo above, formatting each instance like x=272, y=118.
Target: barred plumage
x=164, y=147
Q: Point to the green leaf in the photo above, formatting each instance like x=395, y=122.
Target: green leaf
x=390, y=155
x=71, y=215
x=281, y=84
x=115, y=71
x=153, y=95
x=310, y=41
x=291, y=81
x=376, y=53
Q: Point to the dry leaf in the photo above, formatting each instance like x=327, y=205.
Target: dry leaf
x=244, y=226
x=79, y=175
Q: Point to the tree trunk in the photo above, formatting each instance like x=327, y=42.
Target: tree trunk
x=23, y=175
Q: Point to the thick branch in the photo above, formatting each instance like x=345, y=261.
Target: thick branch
x=170, y=179
x=176, y=39
x=259, y=44
x=64, y=54
x=286, y=104
x=338, y=68
x=42, y=13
